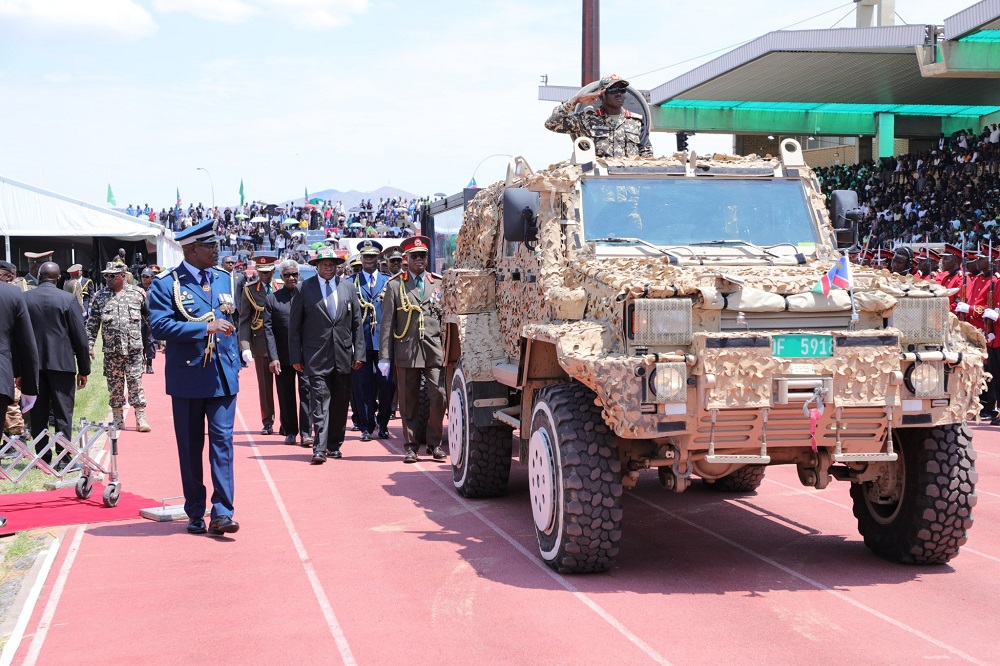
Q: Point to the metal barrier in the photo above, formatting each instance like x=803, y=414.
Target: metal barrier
x=79, y=454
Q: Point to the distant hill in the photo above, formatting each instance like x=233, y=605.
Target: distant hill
x=352, y=198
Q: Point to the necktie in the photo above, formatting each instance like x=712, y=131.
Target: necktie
x=419, y=281
x=371, y=282
x=331, y=299
x=205, y=280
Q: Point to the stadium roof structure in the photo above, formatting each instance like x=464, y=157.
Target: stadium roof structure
x=905, y=81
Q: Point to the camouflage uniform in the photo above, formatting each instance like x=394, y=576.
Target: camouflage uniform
x=14, y=419
x=121, y=316
x=623, y=139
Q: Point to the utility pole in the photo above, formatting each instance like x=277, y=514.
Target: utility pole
x=591, y=68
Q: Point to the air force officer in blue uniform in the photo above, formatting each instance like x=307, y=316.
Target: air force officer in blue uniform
x=372, y=391
x=192, y=308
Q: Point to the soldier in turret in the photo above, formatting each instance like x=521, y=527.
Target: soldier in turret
x=616, y=132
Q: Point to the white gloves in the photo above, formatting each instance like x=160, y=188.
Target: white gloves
x=247, y=356
x=962, y=308
x=990, y=338
x=990, y=314
x=27, y=402
x=383, y=367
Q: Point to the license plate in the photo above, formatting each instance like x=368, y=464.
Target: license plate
x=802, y=346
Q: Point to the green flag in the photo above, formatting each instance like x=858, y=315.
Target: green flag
x=241, y=192
x=111, y=196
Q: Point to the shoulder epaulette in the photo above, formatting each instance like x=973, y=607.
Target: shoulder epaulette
x=436, y=275
x=164, y=273
x=400, y=275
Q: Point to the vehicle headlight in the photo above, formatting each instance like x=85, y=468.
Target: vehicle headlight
x=668, y=382
x=661, y=321
x=921, y=320
x=925, y=380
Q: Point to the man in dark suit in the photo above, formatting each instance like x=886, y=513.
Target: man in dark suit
x=191, y=307
x=411, y=338
x=373, y=391
x=295, y=418
x=18, y=354
x=253, y=346
x=325, y=342
x=57, y=322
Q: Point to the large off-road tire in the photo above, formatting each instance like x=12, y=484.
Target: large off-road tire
x=919, y=510
x=574, y=479
x=480, y=456
x=744, y=480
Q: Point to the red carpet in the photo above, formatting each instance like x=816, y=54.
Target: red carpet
x=29, y=511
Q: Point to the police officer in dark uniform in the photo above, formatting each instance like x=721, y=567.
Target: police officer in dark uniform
x=410, y=335
x=373, y=391
x=191, y=307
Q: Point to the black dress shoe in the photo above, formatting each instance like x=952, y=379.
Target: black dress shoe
x=196, y=526
x=318, y=459
x=383, y=433
x=222, y=525
x=267, y=430
x=355, y=427
x=995, y=421
x=410, y=456
x=336, y=455
x=366, y=436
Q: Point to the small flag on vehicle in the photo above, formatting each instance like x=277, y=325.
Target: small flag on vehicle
x=838, y=277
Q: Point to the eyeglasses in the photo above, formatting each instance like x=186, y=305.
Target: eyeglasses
x=616, y=91
x=290, y=275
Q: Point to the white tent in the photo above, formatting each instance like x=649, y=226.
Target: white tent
x=26, y=210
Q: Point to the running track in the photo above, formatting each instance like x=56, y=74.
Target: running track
x=365, y=560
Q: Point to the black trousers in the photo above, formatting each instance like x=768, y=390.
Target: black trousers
x=56, y=391
x=373, y=394
x=296, y=419
x=329, y=397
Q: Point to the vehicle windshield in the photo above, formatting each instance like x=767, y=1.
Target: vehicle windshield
x=687, y=211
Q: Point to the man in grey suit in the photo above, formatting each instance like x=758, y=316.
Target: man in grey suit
x=63, y=353
x=325, y=342
x=295, y=414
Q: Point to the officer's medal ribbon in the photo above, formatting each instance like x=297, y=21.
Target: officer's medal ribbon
x=226, y=303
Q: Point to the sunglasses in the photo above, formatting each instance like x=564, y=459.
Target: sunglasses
x=616, y=91
x=418, y=255
x=288, y=275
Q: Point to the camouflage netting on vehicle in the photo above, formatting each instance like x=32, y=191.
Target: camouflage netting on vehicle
x=469, y=291
x=477, y=236
x=477, y=337
x=968, y=340
x=742, y=374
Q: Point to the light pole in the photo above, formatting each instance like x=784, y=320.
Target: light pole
x=472, y=181
x=210, y=183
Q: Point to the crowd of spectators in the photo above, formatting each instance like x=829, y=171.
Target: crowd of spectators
x=280, y=228
x=930, y=196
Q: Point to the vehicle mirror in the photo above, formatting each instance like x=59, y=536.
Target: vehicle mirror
x=520, y=215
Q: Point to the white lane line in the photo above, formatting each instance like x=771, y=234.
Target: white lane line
x=534, y=559
x=324, y=602
x=50, y=607
x=815, y=583
x=800, y=491
x=14, y=642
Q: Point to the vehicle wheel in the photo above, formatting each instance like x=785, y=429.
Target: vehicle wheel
x=480, y=457
x=84, y=487
x=574, y=479
x=111, y=494
x=919, y=510
x=744, y=480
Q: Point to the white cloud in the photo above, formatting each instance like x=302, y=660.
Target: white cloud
x=310, y=14
x=120, y=19
x=223, y=11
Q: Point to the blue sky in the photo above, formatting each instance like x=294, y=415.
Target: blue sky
x=344, y=94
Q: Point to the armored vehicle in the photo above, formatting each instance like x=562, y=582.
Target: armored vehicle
x=612, y=316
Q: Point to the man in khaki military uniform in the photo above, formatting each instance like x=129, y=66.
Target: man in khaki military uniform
x=253, y=342
x=35, y=259
x=120, y=310
x=411, y=335
x=74, y=285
